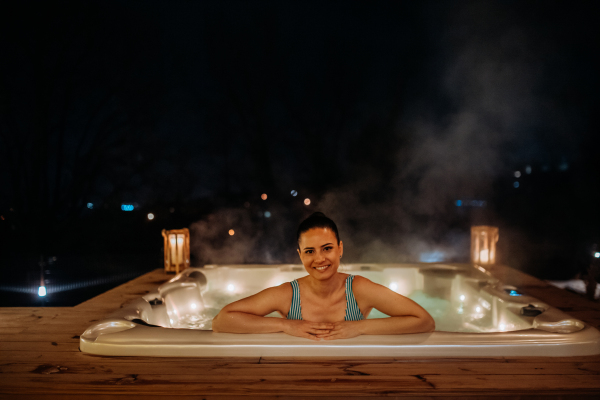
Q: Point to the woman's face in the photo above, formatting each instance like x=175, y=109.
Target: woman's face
x=320, y=252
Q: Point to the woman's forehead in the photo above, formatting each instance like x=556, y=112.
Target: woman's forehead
x=318, y=235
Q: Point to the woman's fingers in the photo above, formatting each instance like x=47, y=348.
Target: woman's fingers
x=319, y=331
x=322, y=325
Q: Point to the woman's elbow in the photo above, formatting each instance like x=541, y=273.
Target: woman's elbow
x=428, y=323
x=216, y=324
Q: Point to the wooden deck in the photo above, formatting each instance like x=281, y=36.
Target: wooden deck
x=40, y=358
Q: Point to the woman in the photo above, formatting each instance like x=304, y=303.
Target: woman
x=325, y=304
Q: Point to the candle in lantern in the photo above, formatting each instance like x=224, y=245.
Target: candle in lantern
x=173, y=247
x=180, y=239
x=483, y=244
x=484, y=256
x=177, y=249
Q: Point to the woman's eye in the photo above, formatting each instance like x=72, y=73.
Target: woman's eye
x=308, y=251
x=328, y=248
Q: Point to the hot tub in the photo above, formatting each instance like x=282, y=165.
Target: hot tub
x=475, y=314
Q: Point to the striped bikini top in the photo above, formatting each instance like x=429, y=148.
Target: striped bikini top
x=353, y=313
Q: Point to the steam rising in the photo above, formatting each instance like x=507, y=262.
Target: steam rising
x=488, y=81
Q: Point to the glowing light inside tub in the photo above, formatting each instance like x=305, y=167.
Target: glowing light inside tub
x=193, y=305
x=597, y=254
x=42, y=291
x=486, y=304
x=394, y=286
x=231, y=287
x=478, y=309
x=462, y=297
x=502, y=327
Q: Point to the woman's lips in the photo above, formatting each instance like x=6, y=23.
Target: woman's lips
x=322, y=268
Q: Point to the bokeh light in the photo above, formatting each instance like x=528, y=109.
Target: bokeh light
x=263, y=196
x=150, y=216
x=307, y=201
x=231, y=232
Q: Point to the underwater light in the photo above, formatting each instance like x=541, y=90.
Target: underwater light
x=42, y=291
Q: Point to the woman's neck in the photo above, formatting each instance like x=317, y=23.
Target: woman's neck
x=325, y=288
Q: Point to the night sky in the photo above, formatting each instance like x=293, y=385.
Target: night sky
x=406, y=122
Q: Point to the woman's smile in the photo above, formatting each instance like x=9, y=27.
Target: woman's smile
x=322, y=268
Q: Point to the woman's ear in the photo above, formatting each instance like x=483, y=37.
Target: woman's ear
x=299, y=255
x=341, y=248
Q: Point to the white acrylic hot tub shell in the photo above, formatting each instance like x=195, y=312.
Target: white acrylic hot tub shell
x=119, y=336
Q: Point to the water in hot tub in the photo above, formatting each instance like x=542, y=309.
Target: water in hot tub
x=447, y=318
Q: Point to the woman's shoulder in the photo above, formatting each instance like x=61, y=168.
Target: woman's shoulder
x=360, y=284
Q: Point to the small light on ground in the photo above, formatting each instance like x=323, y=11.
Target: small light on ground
x=150, y=216
x=597, y=254
x=307, y=201
x=231, y=232
x=517, y=174
x=263, y=196
x=528, y=169
x=458, y=203
x=267, y=214
x=294, y=193
x=90, y=205
x=42, y=291
x=127, y=207
x=516, y=184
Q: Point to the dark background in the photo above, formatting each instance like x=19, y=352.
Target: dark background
x=406, y=122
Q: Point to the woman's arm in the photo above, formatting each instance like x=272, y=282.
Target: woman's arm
x=248, y=316
x=406, y=316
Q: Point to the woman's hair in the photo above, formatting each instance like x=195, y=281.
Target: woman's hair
x=317, y=220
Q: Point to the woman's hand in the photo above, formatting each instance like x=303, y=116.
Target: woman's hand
x=307, y=329
x=342, y=330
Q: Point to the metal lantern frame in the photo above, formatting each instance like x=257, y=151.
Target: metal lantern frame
x=177, y=249
x=483, y=244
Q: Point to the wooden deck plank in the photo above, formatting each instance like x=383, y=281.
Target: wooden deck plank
x=180, y=367
x=325, y=384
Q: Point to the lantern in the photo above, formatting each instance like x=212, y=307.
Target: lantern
x=483, y=244
x=177, y=249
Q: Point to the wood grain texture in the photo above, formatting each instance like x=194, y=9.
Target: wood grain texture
x=40, y=358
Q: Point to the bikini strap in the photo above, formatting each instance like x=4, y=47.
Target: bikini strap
x=296, y=307
x=353, y=313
